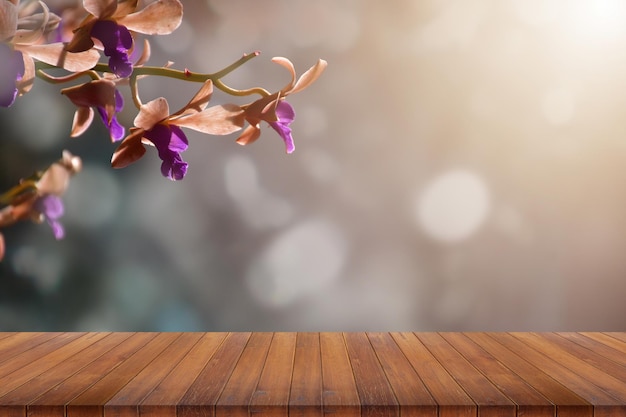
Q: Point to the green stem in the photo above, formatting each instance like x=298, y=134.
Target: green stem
x=185, y=75
x=23, y=186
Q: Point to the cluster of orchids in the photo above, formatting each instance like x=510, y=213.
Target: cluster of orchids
x=94, y=44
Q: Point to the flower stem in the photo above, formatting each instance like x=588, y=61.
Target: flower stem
x=23, y=186
x=185, y=75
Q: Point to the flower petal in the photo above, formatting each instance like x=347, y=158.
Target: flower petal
x=98, y=93
x=217, y=120
x=8, y=20
x=199, y=100
x=55, y=54
x=309, y=76
x=289, y=66
x=249, y=135
x=11, y=69
x=28, y=79
x=169, y=141
x=2, y=247
x=100, y=8
x=159, y=18
x=54, y=180
x=130, y=150
x=152, y=113
x=82, y=120
x=178, y=140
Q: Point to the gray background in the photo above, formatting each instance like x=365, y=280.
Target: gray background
x=459, y=166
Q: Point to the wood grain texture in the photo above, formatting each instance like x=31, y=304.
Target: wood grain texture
x=383, y=374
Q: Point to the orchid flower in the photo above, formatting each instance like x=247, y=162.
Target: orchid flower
x=154, y=125
x=39, y=199
x=111, y=23
x=105, y=98
x=275, y=110
x=20, y=45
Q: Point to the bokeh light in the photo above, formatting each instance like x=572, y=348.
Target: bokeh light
x=459, y=166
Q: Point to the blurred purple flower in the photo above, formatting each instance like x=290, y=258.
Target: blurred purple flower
x=51, y=207
x=117, y=41
x=11, y=71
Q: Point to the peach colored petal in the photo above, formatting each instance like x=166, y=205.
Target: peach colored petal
x=8, y=20
x=199, y=101
x=100, y=8
x=159, y=18
x=152, y=113
x=99, y=93
x=55, y=54
x=55, y=180
x=31, y=35
x=249, y=135
x=81, y=40
x=289, y=66
x=130, y=150
x=82, y=120
x=145, y=53
x=309, y=76
x=217, y=120
x=1, y=247
x=26, y=83
x=125, y=8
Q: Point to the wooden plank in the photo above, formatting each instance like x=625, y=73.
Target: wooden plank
x=65, y=347
x=26, y=356
x=237, y=394
x=609, y=384
x=452, y=400
x=91, y=402
x=53, y=402
x=490, y=400
x=568, y=404
x=528, y=400
x=603, y=404
x=591, y=354
x=412, y=395
x=619, y=336
x=162, y=401
x=125, y=403
x=607, y=346
x=305, y=399
x=202, y=395
x=14, y=403
x=339, y=393
x=271, y=397
x=376, y=395
x=16, y=343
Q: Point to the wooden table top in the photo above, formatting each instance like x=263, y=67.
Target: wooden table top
x=312, y=374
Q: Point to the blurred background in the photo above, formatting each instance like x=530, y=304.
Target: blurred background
x=459, y=166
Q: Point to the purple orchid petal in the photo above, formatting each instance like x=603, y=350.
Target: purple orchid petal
x=116, y=130
x=286, y=114
x=52, y=209
x=117, y=41
x=11, y=71
x=169, y=141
